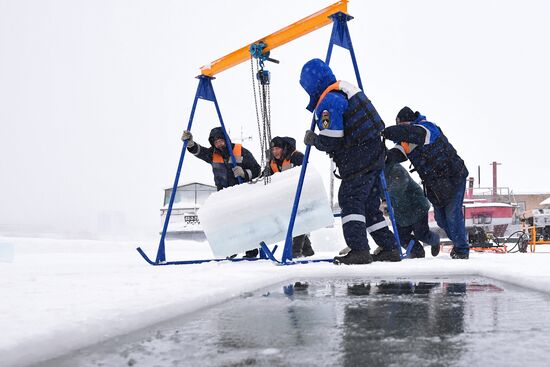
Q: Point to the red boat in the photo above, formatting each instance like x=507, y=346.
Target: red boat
x=493, y=217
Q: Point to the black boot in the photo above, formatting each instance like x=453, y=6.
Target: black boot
x=435, y=250
x=297, y=246
x=417, y=251
x=387, y=255
x=307, y=250
x=354, y=257
x=460, y=255
x=360, y=289
x=250, y=254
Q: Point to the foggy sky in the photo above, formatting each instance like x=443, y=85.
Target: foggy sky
x=94, y=95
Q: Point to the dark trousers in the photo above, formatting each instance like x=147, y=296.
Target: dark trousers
x=359, y=198
x=451, y=219
x=299, y=244
x=419, y=231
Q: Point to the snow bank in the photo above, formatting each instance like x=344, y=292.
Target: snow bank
x=238, y=218
x=6, y=252
x=61, y=295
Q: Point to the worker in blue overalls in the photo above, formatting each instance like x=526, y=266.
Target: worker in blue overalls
x=442, y=171
x=350, y=130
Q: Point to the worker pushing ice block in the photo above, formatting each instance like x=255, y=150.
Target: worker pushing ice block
x=238, y=218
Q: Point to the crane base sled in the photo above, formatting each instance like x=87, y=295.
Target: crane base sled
x=241, y=217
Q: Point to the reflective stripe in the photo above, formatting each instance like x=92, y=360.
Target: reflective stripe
x=198, y=150
x=428, y=135
x=332, y=133
x=377, y=226
x=349, y=89
x=353, y=217
x=249, y=173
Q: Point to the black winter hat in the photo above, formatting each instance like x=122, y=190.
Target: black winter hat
x=406, y=114
x=277, y=142
x=215, y=134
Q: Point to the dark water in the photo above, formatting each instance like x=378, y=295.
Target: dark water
x=348, y=322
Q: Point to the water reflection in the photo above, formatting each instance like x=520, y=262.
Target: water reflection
x=343, y=322
x=398, y=322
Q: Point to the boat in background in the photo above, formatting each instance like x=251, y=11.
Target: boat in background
x=491, y=210
x=492, y=217
x=184, y=220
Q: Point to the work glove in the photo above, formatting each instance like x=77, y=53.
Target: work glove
x=310, y=138
x=189, y=137
x=238, y=171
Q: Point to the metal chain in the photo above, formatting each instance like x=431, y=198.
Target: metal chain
x=268, y=117
x=262, y=148
x=269, y=111
x=264, y=127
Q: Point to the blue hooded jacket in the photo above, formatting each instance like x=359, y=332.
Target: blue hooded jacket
x=316, y=76
x=349, y=125
x=435, y=159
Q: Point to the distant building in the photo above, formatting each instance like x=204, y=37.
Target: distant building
x=527, y=202
x=184, y=221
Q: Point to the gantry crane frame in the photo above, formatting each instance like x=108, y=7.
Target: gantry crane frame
x=340, y=36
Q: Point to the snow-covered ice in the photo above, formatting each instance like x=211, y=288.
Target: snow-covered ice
x=60, y=295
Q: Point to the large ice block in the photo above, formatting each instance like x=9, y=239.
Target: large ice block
x=238, y=218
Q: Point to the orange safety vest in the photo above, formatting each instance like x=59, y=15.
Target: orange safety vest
x=406, y=147
x=237, y=152
x=284, y=166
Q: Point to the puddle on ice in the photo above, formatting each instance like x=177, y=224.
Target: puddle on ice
x=347, y=322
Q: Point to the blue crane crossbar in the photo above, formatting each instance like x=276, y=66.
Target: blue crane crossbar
x=340, y=36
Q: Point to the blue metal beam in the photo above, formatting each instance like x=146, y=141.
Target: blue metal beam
x=202, y=92
x=390, y=212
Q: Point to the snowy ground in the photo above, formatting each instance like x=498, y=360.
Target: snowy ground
x=60, y=295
